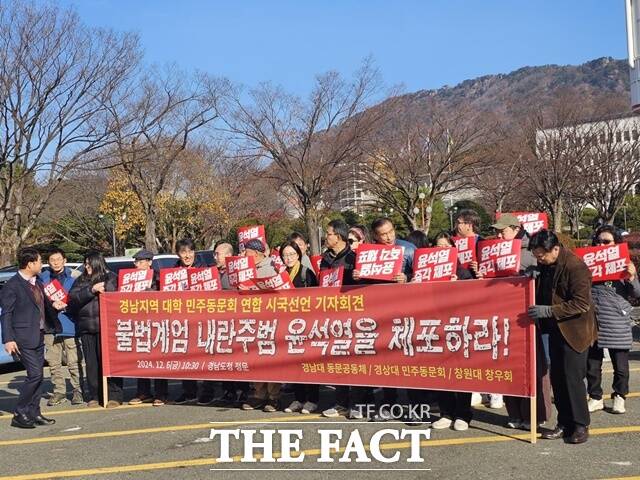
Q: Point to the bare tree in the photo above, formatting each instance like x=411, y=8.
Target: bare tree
x=54, y=77
x=560, y=146
x=613, y=164
x=309, y=143
x=411, y=159
x=154, y=125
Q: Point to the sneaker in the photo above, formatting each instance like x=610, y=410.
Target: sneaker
x=113, y=404
x=226, y=400
x=595, y=405
x=138, y=399
x=460, y=425
x=476, y=399
x=93, y=403
x=442, y=423
x=514, y=423
x=495, y=401
x=253, y=404
x=618, y=404
x=77, y=398
x=270, y=407
x=158, y=402
x=335, y=412
x=295, y=406
x=413, y=419
x=56, y=399
x=205, y=400
x=184, y=400
x=309, y=407
x=355, y=414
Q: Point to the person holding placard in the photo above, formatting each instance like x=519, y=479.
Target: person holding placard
x=508, y=227
x=306, y=395
x=266, y=395
x=564, y=310
x=613, y=314
x=84, y=306
x=186, y=251
x=143, y=260
x=63, y=344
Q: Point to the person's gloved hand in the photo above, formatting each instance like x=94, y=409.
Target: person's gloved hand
x=540, y=311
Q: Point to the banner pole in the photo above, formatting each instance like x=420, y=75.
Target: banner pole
x=105, y=391
x=534, y=418
x=533, y=406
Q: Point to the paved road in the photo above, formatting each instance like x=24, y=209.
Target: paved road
x=144, y=442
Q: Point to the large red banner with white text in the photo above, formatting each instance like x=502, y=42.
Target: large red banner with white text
x=469, y=335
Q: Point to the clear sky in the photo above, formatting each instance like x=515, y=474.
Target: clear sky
x=420, y=44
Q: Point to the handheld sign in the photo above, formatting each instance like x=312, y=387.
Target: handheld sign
x=606, y=262
x=282, y=281
x=54, y=291
x=532, y=222
x=331, y=277
x=430, y=264
x=204, y=279
x=134, y=279
x=315, y=263
x=240, y=270
x=499, y=258
x=278, y=264
x=466, y=250
x=174, y=279
x=249, y=233
x=379, y=262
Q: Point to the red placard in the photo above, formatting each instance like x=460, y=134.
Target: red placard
x=532, y=222
x=405, y=336
x=331, y=277
x=249, y=233
x=278, y=264
x=466, y=250
x=606, y=262
x=499, y=258
x=240, y=271
x=282, y=281
x=207, y=279
x=54, y=291
x=431, y=264
x=315, y=263
x=379, y=262
x=174, y=279
x=134, y=279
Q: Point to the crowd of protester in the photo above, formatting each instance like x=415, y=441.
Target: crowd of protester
x=576, y=319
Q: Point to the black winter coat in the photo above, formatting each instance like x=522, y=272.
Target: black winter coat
x=84, y=305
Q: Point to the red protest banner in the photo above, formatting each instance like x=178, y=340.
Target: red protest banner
x=532, y=222
x=54, y=291
x=331, y=277
x=606, y=262
x=436, y=263
x=134, y=279
x=315, y=263
x=240, y=270
x=174, y=279
x=207, y=279
x=277, y=282
x=249, y=233
x=379, y=262
x=413, y=336
x=466, y=250
x=499, y=258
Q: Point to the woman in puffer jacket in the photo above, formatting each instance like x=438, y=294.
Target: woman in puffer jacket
x=613, y=313
x=84, y=309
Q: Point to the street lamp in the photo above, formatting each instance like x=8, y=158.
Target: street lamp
x=422, y=196
x=416, y=211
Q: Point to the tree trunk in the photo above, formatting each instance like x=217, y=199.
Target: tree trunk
x=150, y=233
x=312, y=228
x=557, y=216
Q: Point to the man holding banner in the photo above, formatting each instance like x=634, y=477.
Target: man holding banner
x=565, y=310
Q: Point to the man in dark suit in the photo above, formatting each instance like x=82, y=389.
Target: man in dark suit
x=25, y=312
